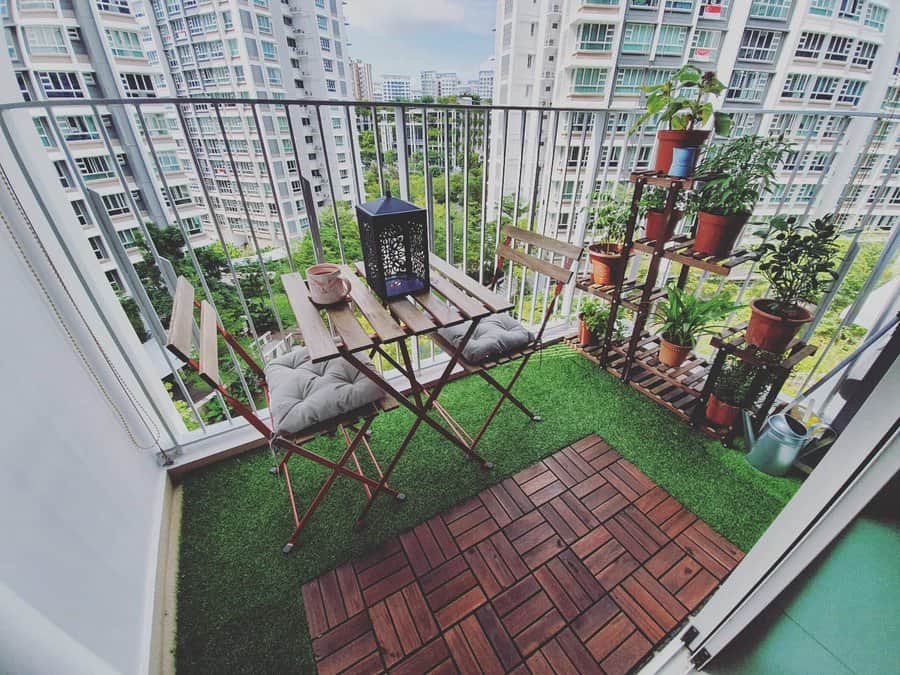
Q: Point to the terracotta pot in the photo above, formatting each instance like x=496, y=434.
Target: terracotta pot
x=585, y=337
x=607, y=263
x=771, y=331
x=672, y=355
x=721, y=414
x=656, y=225
x=666, y=141
x=716, y=234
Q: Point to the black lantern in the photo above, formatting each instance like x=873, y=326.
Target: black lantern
x=394, y=239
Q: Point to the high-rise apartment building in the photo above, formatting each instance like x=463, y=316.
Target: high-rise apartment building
x=447, y=84
x=395, y=88
x=361, y=81
x=428, y=83
x=93, y=50
x=799, y=56
x=485, y=87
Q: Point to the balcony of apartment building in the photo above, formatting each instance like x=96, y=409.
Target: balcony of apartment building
x=622, y=532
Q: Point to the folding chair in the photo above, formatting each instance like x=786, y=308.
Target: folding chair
x=305, y=400
x=500, y=338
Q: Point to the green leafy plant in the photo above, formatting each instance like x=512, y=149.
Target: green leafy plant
x=743, y=170
x=683, y=102
x=608, y=217
x=734, y=381
x=798, y=260
x=654, y=199
x=683, y=318
x=595, y=316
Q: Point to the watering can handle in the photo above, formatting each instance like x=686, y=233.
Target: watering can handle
x=817, y=427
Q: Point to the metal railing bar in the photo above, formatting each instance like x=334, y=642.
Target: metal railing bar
x=448, y=225
x=485, y=153
x=402, y=159
x=465, y=207
x=376, y=138
x=309, y=205
x=275, y=196
x=426, y=166
x=259, y=258
x=334, y=208
x=357, y=159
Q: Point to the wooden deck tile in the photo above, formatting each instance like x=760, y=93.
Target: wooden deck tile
x=577, y=564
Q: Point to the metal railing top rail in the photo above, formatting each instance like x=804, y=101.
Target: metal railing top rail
x=218, y=100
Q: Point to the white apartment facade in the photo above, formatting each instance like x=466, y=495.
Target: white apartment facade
x=396, y=88
x=485, y=84
x=362, y=83
x=61, y=51
x=817, y=55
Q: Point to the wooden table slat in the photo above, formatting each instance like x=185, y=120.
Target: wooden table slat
x=418, y=321
x=315, y=333
x=347, y=326
x=441, y=314
x=485, y=295
x=468, y=306
x=382, y=322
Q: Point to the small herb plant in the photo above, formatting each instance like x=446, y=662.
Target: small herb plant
x=682, y=102
x=798, y=260
x=683, y=318
x=595, y=316
x=609, y=218
x=654, y=199
x=744, y=170
x=732, y=385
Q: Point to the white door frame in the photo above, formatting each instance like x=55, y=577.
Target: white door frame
x=863, y=459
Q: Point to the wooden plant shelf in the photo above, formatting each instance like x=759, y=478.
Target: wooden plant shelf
x=659, y=179
x=689, y=377
x=681, y=250
x=629, y=296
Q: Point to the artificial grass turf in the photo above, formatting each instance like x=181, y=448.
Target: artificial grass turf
x=239, y=605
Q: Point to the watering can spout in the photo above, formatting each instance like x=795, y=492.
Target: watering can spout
x=749, y=435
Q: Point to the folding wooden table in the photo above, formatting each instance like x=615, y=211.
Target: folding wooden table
x=453, y=299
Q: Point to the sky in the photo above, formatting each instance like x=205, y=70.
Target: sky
x=405, y=37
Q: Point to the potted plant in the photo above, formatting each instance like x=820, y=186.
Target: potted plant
x=653, y=206
x=683, y=318
x=592, y=323
x=799, y=263
x=743, y=170
x=683, y=104
x=608, y=220
x=730, y=391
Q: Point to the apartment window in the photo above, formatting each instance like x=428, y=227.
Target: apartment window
x=795, y=85
x=747, y=86
x=125, y=43
x=891, y=99
x=806, y=193
x=588, y=80
x=328, y=64
x=809, y=126
x=644, y=4
x=45, y=40
x=25, y=5
x=137, y=85
x=865, y=54
x=672, y=40
x=577, y=156
x=822, y=7
x=850, y=9
x=60, y=85
x=331, y=85
x=94, y=168
x=838, y=48
x=637, y=38
x=98, y=248
x=43, y=130
x=335, y=122
x=851, y=91
x=679, y=5
x=78, y=128
x=274, y=76
x=115, y=6
x=62, y=172
x=325, y=43
x=81, y=212
x=876, y=16
x=630, y=80
x=322, y=22
x=705, y=45
x=823, y=88
x=193, y=224
x=227, y=20
x=341, y=157
x=263, y=24
x=116, y=204
x=810, y=45
x=129, y=237
x=596, y=37
x=603, y=3
x=771, y=9
x=169, y=162
x=760, y=46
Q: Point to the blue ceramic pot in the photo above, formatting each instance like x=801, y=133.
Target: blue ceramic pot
x=682, y=162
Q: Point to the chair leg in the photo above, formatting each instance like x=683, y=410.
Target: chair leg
x=505, y=393
x=487, y=377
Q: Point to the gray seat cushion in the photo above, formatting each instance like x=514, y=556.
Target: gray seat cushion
x=495, y=335
x=302, y=393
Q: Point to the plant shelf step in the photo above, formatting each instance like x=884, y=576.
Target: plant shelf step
x=681, y=250
x=629, y=297
x=659, y=179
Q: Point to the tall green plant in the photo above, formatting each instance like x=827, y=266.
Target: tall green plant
x=799, y=260
x=733, y=383
x=683, y=318
x=654, y=199
x=608, y=217
x=743, y=170
x=595, y=316
x=683, y=102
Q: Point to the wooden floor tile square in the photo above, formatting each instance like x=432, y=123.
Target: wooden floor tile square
x=577, y=564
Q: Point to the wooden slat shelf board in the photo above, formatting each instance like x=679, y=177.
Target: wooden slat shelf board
x=680, y=250
x=659, y=179
x=630, y=296
x=734, y=343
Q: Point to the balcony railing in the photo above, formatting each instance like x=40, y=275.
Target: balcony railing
x=472, y=167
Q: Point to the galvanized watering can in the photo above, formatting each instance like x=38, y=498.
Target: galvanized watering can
x=778, y=444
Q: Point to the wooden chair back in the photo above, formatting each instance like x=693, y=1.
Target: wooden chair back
x=507, y=251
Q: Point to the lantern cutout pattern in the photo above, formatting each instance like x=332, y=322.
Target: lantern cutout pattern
x=394, y=238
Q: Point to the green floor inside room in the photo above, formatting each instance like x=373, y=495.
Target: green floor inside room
x=239, y=606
